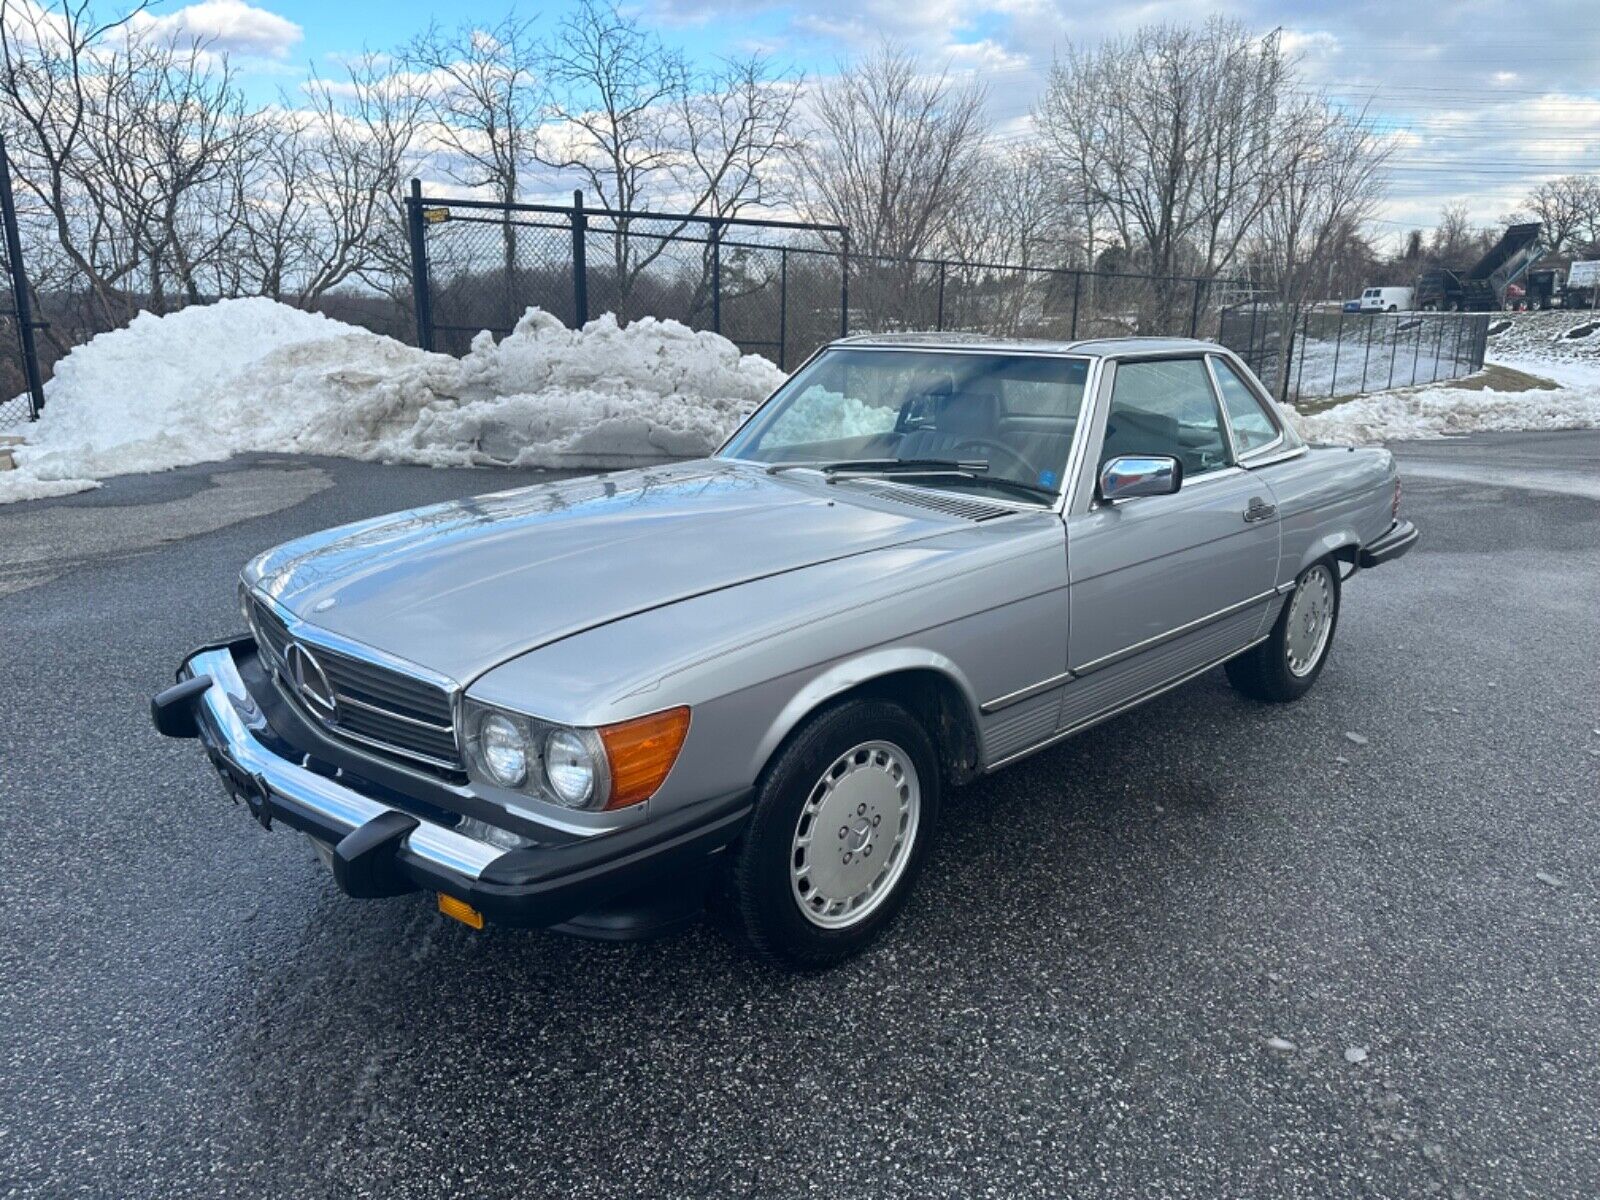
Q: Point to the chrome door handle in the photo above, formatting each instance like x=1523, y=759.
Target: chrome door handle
x=1259, y=510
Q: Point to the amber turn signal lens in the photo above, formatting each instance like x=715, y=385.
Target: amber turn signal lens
x=460, y=910
x=641, y=753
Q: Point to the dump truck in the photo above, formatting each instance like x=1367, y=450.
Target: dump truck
x=1482, y=287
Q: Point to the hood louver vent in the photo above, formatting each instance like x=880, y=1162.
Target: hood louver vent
x=955, y=506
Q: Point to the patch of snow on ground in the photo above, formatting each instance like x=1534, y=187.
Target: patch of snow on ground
x=253, y=375
x=1441, y=411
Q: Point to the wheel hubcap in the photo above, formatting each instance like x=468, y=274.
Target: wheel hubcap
x=1310, y=621
x=854, y=835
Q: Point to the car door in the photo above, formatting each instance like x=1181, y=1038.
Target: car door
x=1161, y=587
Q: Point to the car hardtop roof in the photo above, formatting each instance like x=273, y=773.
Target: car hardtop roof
x=1123, y=347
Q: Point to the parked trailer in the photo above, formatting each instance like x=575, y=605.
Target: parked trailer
x=1583, y=283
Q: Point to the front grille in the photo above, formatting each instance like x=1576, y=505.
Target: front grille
x=396, y=715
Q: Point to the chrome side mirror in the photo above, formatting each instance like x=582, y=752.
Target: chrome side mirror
x=1133, y=475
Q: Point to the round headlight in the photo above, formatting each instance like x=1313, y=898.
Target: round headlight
x=570, y=767
x=504, y=751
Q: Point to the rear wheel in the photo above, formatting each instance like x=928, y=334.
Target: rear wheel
x=1284, y=667
x=842, y=821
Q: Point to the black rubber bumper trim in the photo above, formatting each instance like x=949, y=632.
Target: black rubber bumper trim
x=366, y=860
x=172, y=711
x=1402, y=535
x=547, y=885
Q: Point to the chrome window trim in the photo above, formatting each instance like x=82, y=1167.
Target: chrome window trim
x=1283, y=455
x=1246, y=457
x=1186, y=352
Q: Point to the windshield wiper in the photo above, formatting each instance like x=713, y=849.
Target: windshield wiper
x=1017, y=485
x=887, y=466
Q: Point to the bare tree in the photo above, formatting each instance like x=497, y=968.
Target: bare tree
x=46, y=74
x=1168, y=133
x=166, y=125
x=1568, y=207
x=1329, y=170
x=893, y=156
x=1001, y=237
x=630, y=120
x=1453, y=238
x=322, y=186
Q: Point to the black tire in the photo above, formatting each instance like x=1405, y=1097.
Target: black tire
x=762, y=901
x=1263, y=673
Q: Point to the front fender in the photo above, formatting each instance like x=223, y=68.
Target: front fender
x=851, y=673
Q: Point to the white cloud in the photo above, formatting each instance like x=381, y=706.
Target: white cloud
x=227, y=26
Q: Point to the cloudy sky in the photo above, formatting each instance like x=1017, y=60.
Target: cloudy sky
x=1485, y=95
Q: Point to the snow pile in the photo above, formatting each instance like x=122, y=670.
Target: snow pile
x=1440, y=411
x=254, y=375
x=818, y=414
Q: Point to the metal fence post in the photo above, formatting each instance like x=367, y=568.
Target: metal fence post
x=1438, y=346
x=1455, y=351
x=1338, y=345
x=1077, y=291
x=580, y=262
x=844, y=282
x=1416, y=353
x=421, y=292
x=938, y=322
x=22, y=301
x=1194, y=311
x=1366, y=355
x=716, y=277
x=1300, y=372
x=783, y=307
x=1394, y=347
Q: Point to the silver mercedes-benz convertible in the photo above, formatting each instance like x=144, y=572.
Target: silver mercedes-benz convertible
x=751, y=678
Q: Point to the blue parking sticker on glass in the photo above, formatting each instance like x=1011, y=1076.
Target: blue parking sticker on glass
x=1047, y=479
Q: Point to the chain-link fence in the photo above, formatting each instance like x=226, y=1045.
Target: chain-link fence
x=775, y=288
x=21, y=382
x=1316, y=353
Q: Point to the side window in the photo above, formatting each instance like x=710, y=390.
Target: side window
x=1252, y=427
x=1166, y=407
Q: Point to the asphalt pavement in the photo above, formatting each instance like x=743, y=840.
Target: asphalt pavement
x=1342, y=948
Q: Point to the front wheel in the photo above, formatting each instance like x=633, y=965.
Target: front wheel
x=1284, y=667
x=842, y=821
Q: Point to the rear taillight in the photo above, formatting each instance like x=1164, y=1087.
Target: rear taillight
x=1394, y=509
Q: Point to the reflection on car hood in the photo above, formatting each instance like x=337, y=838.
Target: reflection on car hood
x=461, y=587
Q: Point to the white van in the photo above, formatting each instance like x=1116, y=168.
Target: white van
x=1381, y=299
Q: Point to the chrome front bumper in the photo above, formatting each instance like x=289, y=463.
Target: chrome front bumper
x=378, y=849
x=226, y=715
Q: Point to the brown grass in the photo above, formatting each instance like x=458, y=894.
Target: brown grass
x=1491, y=378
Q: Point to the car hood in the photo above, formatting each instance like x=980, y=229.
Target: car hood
x=462, y=587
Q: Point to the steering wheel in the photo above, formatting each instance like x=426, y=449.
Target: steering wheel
x=1029, y=471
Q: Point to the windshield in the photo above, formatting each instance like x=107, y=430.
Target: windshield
x=972, y=422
